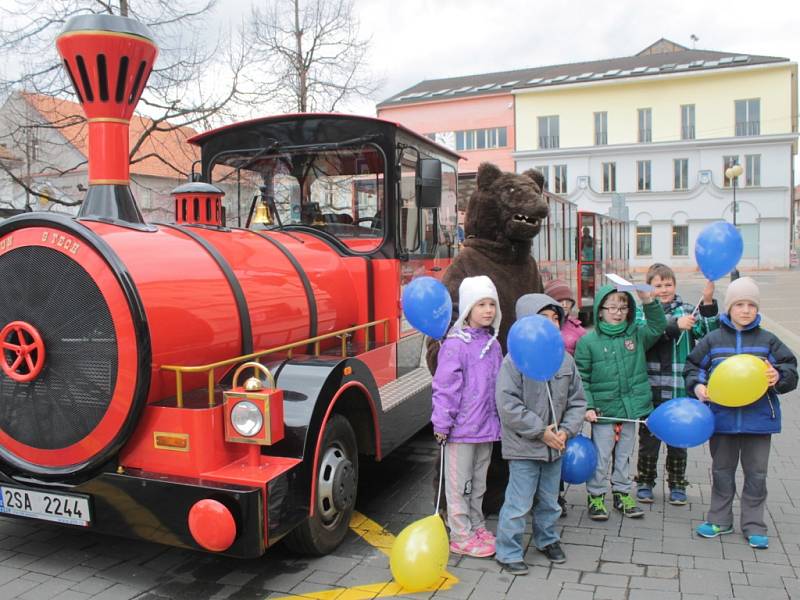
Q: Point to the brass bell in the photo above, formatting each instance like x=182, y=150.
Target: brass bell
x=253, y=384
x=262, y=215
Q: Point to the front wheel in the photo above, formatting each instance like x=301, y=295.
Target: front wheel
x=337, y=483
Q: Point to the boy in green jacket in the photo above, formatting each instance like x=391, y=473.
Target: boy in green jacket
x=611, y=362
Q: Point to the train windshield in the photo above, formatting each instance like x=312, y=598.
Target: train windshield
x=338, y=190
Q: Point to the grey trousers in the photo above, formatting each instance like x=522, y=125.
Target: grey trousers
x=603, y=437
x=726, y=453
x=465, y=467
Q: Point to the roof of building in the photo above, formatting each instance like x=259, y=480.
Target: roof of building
x=660, y=58
x=162, y=154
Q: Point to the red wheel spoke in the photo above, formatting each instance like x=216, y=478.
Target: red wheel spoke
x=10, y=346
x=29, y=360
x=16, y=363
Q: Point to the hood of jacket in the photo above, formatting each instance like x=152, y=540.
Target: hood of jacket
x=600, y=297
x=531, y=304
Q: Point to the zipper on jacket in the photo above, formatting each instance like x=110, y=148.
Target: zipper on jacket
x=771, y=407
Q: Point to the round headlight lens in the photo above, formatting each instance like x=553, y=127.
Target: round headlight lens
x=246, y=418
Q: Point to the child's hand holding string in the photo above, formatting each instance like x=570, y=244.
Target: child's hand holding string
x=553, y=439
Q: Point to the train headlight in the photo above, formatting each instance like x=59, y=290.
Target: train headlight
x=246, y=419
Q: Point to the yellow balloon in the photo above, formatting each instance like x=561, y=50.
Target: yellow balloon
x=419, y=554
x=738, y=380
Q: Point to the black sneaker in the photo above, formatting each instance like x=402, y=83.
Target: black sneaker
x=597, y=508
x=554, y=553
x=562, y=502
x=625, y=504
x=515, y=568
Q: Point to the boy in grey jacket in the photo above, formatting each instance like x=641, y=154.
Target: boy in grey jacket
x=534, y=435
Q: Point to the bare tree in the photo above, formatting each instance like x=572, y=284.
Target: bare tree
x=309, y=53
x=196, y=81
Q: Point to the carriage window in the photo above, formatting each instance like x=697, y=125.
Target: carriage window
x=339, y=191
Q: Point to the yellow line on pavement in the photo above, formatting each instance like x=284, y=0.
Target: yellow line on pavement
x=378, y=537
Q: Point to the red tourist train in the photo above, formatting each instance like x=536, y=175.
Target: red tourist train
x=212, y=386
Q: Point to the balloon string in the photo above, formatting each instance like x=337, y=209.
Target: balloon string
x=552, y=408
x=441, y=474
x=618, y=420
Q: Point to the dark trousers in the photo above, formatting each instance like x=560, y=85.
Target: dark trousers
x=647, y=466
x=727, y=451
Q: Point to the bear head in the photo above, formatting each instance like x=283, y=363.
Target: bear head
x=506, y=207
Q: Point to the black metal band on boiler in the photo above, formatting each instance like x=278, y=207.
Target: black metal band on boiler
x=233, y=282
x=312, y=301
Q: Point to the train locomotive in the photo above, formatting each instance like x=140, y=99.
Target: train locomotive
x=206, y=385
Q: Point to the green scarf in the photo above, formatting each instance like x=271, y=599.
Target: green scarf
x=612, y=330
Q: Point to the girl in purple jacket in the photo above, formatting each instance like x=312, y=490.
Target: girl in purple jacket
x=465, y=412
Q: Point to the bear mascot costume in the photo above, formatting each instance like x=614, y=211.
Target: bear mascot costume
x=503, y=216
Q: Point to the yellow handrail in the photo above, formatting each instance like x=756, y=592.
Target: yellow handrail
x=179, y=370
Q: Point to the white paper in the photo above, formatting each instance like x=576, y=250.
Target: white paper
x=623, y=285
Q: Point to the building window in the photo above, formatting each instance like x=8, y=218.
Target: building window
x=748, y=116
x=643, y=168
x=752, y=169
x=548, y=132
x=609, y=177
x=481, y=139
x=727, y=162
x=645, y=124
x=687, y=121
x=681, y=166
x=644, y=241
x=680, y=240
x=600, y=128
x=560, y=179
x=545, y=171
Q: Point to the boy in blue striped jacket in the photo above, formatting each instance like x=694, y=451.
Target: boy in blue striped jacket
x=743, y=433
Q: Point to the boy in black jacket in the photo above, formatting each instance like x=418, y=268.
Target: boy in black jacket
x=742, y=433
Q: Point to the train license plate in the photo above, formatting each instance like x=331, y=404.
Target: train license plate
x=62, y=508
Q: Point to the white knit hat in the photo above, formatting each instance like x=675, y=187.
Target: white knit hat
x=744, y=288
x=471, y=291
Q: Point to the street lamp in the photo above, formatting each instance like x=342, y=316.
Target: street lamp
x=732, y=173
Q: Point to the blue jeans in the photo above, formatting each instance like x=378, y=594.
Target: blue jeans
x=528, y=478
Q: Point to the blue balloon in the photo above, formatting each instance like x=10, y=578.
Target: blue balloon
x=579, y=460
x=718, y=249
x=682, y=422
x=427, y=306
x=536, y=347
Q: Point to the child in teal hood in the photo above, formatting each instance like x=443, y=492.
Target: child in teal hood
x=611, y=362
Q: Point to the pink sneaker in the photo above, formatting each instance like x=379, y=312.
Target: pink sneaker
x=484, y=534
x=474, y=546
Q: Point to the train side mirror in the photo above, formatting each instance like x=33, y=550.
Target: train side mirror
x=429, y=183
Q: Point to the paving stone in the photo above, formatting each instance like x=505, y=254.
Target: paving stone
x=607, y=593
x=567, y=594
x=762, y=568
x=758, y=593
x=765, y=580
x=604, y=580
x=71, y=595
x=662, y=572
x=694, y=581
x=15, y=587
x=648, y=545
x=739, y=579
x=47, y=589
x=37, y=577
x=523, y=588
x=617, y=550
x=655, y=558
x=718, y=564
x=709, y=548
x=240, y=578
x=617, y=568
x=77, y=573
x=118, y=591
x=564, y=575
x=491, y=584
x=359, y=575
x=647, y=583
x=92, y=585
x=652, y=595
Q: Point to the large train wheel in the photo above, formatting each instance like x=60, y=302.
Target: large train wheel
x=337, y=483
